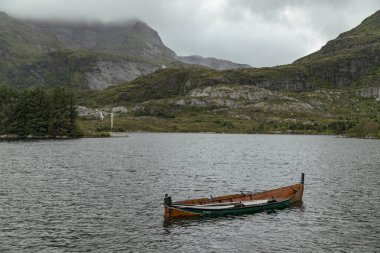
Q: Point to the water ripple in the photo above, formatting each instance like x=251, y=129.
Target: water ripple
x=104, y=195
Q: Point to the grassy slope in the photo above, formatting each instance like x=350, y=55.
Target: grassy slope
x=357, y=42
x=330, y=112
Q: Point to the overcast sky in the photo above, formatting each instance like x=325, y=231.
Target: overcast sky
x=256, y=32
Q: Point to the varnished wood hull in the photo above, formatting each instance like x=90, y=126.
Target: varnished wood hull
x=280, y=198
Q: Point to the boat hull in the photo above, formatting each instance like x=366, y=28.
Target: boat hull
x=283, y=197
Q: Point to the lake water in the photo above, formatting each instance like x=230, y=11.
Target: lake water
x=104, y=195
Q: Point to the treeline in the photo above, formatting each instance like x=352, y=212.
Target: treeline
x=38, y=113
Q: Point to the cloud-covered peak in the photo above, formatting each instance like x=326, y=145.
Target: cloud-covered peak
x=256, y=32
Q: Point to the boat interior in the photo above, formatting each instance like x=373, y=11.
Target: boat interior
x=276, y=195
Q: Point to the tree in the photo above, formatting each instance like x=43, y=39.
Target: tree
x=38, y=113
x=63, y=113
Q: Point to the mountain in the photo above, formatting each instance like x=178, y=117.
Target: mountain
x=334, y=90
x=131, y=39
x=350, y=57
x=350, y=60
x=211, y=62
x=80, y=54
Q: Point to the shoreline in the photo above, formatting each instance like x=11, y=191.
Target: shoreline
x=282, y=133
x=11, y=137
x=126, y=134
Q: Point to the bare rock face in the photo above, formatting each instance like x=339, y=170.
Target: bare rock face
x=369, y=92
x=243, y=92
x=224, y=96
x=107, y=73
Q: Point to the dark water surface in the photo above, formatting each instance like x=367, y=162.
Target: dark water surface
x=105, y=195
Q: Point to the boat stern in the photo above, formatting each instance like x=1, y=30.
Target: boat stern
x=300, y=188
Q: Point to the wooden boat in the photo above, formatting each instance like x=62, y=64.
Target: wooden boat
x=235, y=204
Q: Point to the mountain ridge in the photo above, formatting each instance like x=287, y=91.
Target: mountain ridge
x=104, y=54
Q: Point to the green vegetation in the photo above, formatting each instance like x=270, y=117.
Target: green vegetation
x=37, y=113
x=365, y=129
x=221, y=124
x=51, y=70
x=338, y=112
